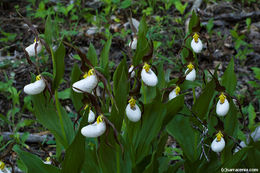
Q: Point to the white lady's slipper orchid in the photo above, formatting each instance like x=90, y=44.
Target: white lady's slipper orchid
x=218, y=143
x=133, y=44
x=148, y=76
x=36, y=87
x=91, y=116
x=222, y=105
x=3, y=168
x=131, y=70
x=31, y=49
x=174, y=93
x=87, y=84
x=132, y=110
x=256, y=134
x=242, y=144
x=191, y=76
x=47, y=161
x=94, y=130
x=196, y=43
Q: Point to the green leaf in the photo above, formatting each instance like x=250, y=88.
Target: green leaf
x=48, y=31
x=104, y=56
x=231, y=121
x=142, y=134
x=229, y=80
x=34, y=163
x=65, y=94
x=126, y=3
x=173, y=107
x=180, y=128
x=58, y=65
x=75, y=97
x=120, y=90
x=46, y=114
x=75, y=154
x=193, y=21
x=91, y=165
x=251, y=116
x=142, y=43
x=161, y=76
x=158, y=152
x=236, y=159
x=256, y=71
x=92, y=55
x=202, y=104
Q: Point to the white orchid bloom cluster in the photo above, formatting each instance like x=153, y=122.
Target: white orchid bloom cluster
x=3, y=168
x=174, y=93
x=191, y=76
x=36, y=87
x=196, y=43
x=222, y=105
x=218, y=144
x=31, y=49
x=96, y=129
x=133, y=43
x=148, y=76
x=133, y=111
x=87, y=84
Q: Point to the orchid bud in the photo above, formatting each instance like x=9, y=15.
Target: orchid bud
x=196, y=43
x=36, y=87
x=174, y=93
x=133, y=112
x=222, y=105
x=191, y=76
x=94, y=130
x=133, y=44
x=131, y=70
x=31, y=49
x=87, y=84
x=148, y=76
x=91, y=116
x=218, y=143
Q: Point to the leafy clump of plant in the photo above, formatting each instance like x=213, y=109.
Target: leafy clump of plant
x=125, y=116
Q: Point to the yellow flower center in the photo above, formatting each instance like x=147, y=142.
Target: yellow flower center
x=89, y=73
x=146, y=67
x=48, y=159
x=190, y=66
x=2, y=165
x=35, y=40
x=219, y=136
x=38, y=77
x=132, y=102
x=86, y=107
x=177, y=90
x=222, y=98
x=196, y=37
x=99, y=119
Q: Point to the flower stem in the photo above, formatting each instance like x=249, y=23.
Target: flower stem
x=194, y=95
x=144, y=92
